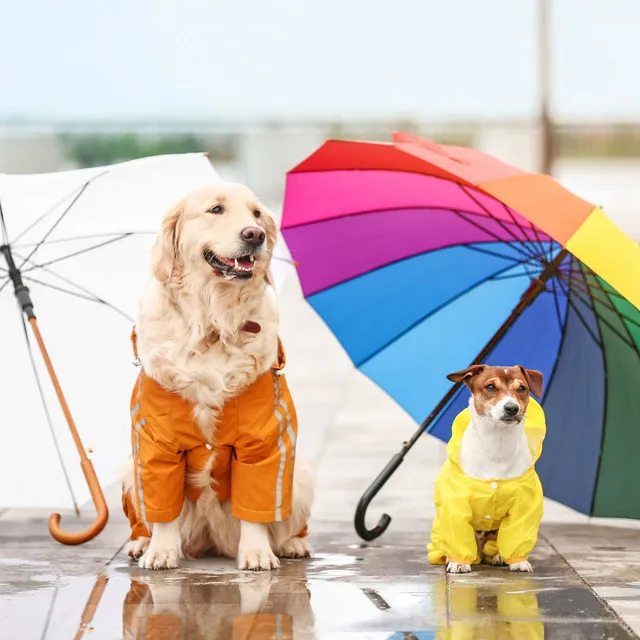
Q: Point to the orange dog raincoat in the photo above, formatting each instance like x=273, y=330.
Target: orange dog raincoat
x=254, y=447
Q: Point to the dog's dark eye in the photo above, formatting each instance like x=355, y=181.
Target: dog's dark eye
x=490, y=387
x=257, y=213
x=522, y=388
x=218, y=209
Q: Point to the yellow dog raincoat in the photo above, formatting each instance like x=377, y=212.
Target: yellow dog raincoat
x=254, y=445
x=465, y=505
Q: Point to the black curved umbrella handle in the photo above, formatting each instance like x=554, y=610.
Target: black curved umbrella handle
x=370, y=494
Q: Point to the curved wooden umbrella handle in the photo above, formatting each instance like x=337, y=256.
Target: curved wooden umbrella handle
x=78, y=537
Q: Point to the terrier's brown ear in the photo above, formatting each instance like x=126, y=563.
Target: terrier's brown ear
x=467, y=375
x=534, y=380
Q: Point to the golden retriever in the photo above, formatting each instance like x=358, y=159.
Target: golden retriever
x=210, y=275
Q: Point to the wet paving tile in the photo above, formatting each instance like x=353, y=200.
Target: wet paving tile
x=351, y=591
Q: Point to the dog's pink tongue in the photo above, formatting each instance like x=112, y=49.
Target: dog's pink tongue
x=237, y=263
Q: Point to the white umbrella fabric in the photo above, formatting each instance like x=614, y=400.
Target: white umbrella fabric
x=81, y=240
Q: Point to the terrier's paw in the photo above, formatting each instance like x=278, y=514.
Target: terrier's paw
x=295, y=548
x=155, y=558
x=135, y=548
x=524, y=566
x=497, y=561
x=257, y=560
x=458, y=567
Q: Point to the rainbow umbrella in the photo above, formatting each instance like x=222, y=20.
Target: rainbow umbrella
x=423, y=259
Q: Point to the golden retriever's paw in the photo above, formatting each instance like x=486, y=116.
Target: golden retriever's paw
x=155, y=558
x=458, y=567
x=135, y=548
x=497, y=561
x=257, y=560
x=524, y=567
x=295, y=547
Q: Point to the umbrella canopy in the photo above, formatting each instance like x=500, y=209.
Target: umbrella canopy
x=414, y=254
x=82, y=240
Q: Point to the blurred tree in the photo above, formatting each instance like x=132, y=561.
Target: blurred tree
x=93, y=150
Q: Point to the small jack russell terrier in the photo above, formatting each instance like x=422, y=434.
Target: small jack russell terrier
x=488, y=496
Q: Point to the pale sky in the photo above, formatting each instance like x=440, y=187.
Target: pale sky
x=295, y=58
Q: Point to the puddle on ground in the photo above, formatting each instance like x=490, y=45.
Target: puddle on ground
x=329, y=596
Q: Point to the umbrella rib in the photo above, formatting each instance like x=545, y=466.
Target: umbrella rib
x=420, y=320
x=63, y=290
x=490, y=215
x=49, y=614
x=497, y=238
x=609, y=304
x=37, y=265
x=85, y=237
x=588, y=287
x=562, y=341
x=46, y=411
x=474, y=247
x=598, y=287
x=3, y=225
x=628, y=342
x=536, y=239
x=512, y=276
x=61, y=216
x=44, y=215
x=579, y=314
x=560, y=348
x=556, y=304
x=84, y=290
x=540, y=241
x=80, y=188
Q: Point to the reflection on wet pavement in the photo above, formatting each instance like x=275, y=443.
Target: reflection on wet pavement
x=356, y=592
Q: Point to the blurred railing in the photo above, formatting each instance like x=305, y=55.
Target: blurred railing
x=84, y=143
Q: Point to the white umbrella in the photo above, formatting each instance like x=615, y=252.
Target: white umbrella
x=81, y=240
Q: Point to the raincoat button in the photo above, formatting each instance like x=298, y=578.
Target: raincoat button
x=487, y=517
x=208, y=446
x=494, y=485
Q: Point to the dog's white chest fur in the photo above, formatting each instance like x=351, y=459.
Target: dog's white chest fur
x=173, y=345
x=490, y=451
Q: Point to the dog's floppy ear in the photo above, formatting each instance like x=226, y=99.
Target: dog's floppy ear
x=164, y=251
x=268, y=222
x=534, y=380
x=466, y=375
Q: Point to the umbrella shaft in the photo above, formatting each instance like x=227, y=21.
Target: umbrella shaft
x=21, y=291
x=58, y=389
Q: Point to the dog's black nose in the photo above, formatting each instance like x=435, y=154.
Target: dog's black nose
x=511, y=409
x=254, y=236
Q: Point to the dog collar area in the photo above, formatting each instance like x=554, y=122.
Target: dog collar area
x=251, y=327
